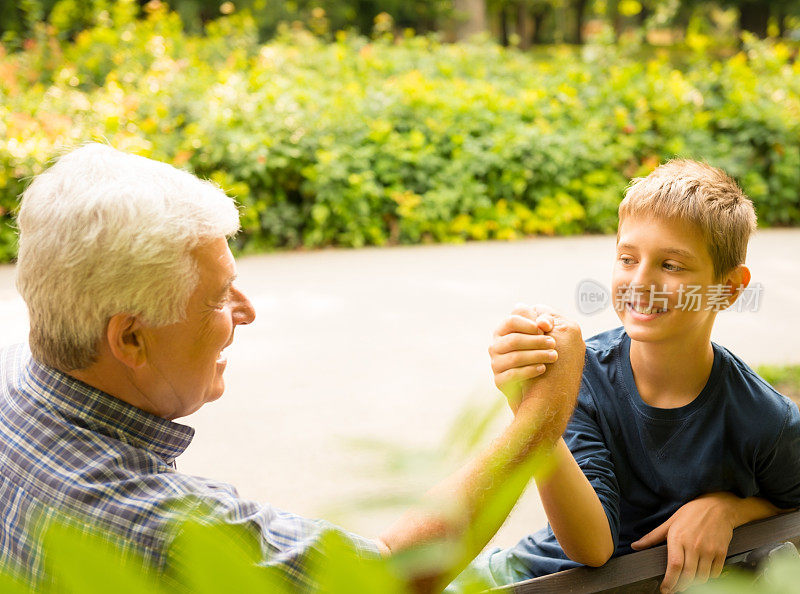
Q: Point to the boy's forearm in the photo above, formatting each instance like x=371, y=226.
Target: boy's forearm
x=574, y=511
x=750, y=509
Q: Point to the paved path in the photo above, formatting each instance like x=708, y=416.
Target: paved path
x=390, y=344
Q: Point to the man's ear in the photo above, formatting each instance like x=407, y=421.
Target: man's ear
x=125, y=340
x=736, y=282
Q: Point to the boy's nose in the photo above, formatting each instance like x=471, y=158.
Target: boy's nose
x=643, y=278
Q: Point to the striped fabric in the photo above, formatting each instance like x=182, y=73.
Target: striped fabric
x=68, y=448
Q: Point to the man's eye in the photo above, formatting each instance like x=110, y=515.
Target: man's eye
x=627, y=260
x=672, y=267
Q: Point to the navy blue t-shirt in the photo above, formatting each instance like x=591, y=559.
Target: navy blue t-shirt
x=738, y=435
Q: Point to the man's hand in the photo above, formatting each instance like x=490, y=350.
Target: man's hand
x=697, y=536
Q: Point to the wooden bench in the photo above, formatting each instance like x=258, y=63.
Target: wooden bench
x=642, y=571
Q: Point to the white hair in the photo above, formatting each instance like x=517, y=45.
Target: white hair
x=103, y=232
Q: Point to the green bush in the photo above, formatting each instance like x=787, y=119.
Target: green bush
x=378, y=142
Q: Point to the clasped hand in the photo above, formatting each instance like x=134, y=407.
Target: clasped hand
x=526, y=342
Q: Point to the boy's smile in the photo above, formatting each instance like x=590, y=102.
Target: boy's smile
x=642, y=311
x=663, y=279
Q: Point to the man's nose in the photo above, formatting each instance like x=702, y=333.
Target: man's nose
x=243, y=311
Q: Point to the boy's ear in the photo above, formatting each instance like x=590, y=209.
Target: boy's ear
x=125, y=340
x=736, y=282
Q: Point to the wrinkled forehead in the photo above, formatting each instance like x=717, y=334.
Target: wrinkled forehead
x=216, y=265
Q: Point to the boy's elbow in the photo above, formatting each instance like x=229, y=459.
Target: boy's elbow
x=595, y=560
x=594, y=557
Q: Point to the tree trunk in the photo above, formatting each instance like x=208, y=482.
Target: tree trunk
x=579, y=9
x=503, y=26
x=537, y=18
x=782, y=18
x=615, y=18
x=683, y=18
x=523, y=29
x=643, y=15
x=753, y=17
x=471, y=18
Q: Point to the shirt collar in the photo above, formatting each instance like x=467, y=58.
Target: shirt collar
x=102, y=413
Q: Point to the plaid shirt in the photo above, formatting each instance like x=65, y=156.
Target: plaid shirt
x=68, y=448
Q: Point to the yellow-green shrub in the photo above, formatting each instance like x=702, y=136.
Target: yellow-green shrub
x=357, y=142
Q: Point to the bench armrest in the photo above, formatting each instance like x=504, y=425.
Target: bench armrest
x=652, y=563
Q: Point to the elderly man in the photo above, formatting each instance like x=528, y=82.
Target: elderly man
x=130, y=287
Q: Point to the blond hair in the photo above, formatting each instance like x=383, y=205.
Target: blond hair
x=701, y=195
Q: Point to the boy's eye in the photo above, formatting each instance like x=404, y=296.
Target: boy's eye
x=627, y=260
x=672, y=267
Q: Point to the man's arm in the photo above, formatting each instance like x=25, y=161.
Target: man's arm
x=466, y=509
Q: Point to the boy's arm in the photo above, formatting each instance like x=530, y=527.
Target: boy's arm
x=574, y=511
x=699, y=533
x=573, y=508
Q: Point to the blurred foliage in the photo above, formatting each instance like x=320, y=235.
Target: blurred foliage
x=71, y=16
x=207, y=558
x=383, y=140
x=780, y=576
x=203, y=559
x=519, y=22
x=785, y=378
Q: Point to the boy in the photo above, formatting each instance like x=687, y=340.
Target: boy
x=673, y=438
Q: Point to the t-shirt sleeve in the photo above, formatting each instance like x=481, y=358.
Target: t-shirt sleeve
x=584, y=438
x=778, y=465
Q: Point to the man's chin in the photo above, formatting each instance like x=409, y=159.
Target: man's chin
x=210, y=396
x=216, y=393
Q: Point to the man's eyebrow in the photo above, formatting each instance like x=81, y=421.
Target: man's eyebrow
x=227, y=286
